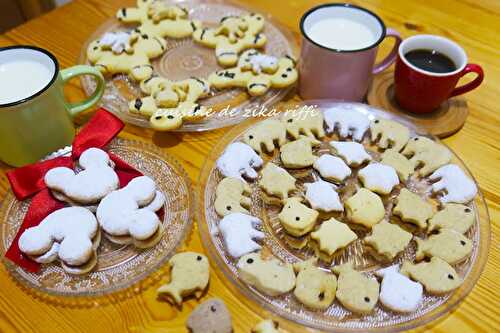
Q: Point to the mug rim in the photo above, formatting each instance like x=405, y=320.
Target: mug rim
x=347, y=5
x=41, y=91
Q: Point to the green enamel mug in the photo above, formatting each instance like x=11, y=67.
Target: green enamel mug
x=35, y=118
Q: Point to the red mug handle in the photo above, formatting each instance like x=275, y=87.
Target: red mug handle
x=391, y=57
x=470, y=68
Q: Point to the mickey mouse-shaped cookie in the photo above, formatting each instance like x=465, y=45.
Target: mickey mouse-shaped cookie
x=257, y=73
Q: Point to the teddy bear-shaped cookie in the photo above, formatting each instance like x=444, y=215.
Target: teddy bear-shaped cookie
x=234, y=35
x=114, y=53
x=257, y=73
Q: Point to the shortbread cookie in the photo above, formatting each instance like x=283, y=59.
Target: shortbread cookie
x=298, y=154
x=210, y=316
x=332, y=168
x=270, y=276
x=389, y=134
x=403, y=167
x=379, y=178
x=411, y=208
x=124, y=222
x=68, y=234
x=332, y=236
x=133, y=60
x=388, y=240
x=266, y=326
x=256, y=83
x=398, y=292
x=457, y=186
x=355, y=291
x=156, y=18
x=314, y=288
x=321, y=195
x=365, y=208
x=234, y=35
x=232, y=196
x=453, y=216
x=347, y=122
x=239, y=160
x=90, y=185
x=239, y=233
x=266, y=133
x=117, y=42
x=353, y=153
x=309, y=124
x=449, y=245
x=427, y=154
x=437, y=276
x=276, y=181
x=297, y=218
x=189, y=274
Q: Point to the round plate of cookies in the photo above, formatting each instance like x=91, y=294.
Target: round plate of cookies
x=342, y=217
x=190, y=65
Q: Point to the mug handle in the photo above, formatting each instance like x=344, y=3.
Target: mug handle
x=71, y=72
x=391, y=57
x=470, y=68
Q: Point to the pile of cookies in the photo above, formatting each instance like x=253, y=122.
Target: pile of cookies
x=169, y=103
x=95, y=206
x=337, y=179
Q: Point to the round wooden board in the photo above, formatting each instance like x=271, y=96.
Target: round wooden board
x=443, y=122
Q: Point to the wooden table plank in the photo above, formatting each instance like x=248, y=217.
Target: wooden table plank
x=473, y=25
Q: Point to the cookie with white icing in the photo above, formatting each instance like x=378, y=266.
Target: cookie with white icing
x=449, y=245
x=332, y=168
x=309, y=124
x=232, y=196
x=299, y=153
x=379, y=178
x=239, y=160
x=322, y=196
x=389, y=134
x=314, y=288
x=239, y=233
x=387, y=240
x=276, y=181
x=453, y=216
x=365, y=208
x=411, y=208
x=332, y=236
x=457, y=186
x=427, y=154
x=296, y=218
x=353, y=153
x=347, y=122
x=265, y=134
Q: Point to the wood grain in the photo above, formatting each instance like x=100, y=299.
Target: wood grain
x=472, y=24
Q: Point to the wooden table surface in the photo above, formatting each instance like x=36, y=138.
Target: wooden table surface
x=472, y=24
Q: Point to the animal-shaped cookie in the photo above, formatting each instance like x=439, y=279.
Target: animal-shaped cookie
x=189, y=274
x=70, y=234
x=332, y=236
x=125, y=217
x=348, y=122
x=299, y=154
x=437, y=276
x=269, y=276
x=90, y=185
x=266, y=326
x=297, y=218
x=284, y=75
x=265, y=134
x=365, y=208
x=117, y=42
x=458, y=187
x=135, y=62
x=379, y=178
x=332, y=168
x=276, y=181
x=389, y=134
x=427, y=154
x=314, y=288
x=232, y=196
x=322, y=196
x=239, y=160
x=453, y=216
x=387, y=240
x=234, y=35
x=411, y=208
x=449, y=245
x=398, y=292
x=403, y=167
x=355, y=291
x=156, y=18
x=239, y=233
x=210, y=316
x=309, y=124
x=353, y=153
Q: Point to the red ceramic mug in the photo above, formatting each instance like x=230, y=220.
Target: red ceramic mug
x=421, y=91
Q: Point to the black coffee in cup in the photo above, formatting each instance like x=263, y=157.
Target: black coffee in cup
x=431, y=61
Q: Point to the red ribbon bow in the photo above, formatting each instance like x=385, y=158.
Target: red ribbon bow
x=28, y=181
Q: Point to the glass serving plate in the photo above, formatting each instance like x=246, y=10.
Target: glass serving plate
x=118, y=266
x=184, y=59
x=335, y=318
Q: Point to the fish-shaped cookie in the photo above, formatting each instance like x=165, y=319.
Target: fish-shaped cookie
x=448, y=244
